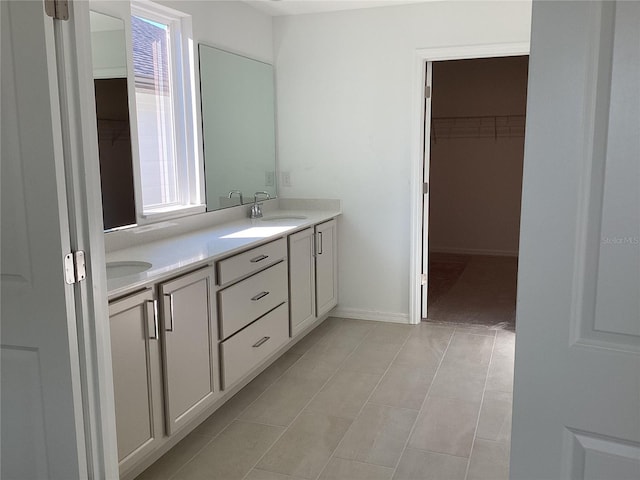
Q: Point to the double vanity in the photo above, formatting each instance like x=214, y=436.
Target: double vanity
x=197, y=315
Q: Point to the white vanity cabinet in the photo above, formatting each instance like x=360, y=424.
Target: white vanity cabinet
x=252, y=310
x=137, y=376
x=189, y=337
x=326, y=267
x=185, y=344
x=313, y=274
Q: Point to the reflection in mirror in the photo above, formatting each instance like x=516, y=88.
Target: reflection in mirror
x=112, y=110
x=238, y=119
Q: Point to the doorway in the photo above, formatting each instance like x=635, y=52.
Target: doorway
x=474, y=161
x=423, y=61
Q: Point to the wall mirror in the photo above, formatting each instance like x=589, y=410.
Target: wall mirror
x=112, y=111
x=238, y=119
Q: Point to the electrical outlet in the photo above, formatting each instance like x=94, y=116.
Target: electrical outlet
x=286, y=179
x=269, y=179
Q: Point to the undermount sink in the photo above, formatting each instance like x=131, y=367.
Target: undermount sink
x=273, y=218
x=123, y=269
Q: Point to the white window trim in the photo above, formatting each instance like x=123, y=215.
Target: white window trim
x=187, y=141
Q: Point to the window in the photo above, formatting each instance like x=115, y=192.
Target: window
x=169, y=166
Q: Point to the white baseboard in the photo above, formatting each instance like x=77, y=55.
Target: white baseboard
x=376, y=316
x=474, y=251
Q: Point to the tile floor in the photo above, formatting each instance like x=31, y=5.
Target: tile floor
x=364, y=400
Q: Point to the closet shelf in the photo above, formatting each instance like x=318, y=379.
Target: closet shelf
x=487, y=126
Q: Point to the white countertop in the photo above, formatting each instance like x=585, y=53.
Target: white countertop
x=182, y=253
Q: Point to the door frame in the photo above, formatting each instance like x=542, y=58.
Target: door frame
x=419, y=171
x=84, y=202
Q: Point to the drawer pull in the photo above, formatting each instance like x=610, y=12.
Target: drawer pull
x=261, y=341
x=169, y=328
x=259, y=258
x=259, y=296
x=154, y=305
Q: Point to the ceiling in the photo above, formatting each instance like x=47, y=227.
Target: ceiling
x=301, y=7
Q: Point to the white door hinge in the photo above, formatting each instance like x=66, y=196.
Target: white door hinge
x=75, y=269
x=427, y=91
x=423, y=278
x=57, y=9
x=425, y=188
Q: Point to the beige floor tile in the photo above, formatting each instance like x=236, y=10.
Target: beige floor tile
x=438, y=334
x=281, y=402
x=378, y=435
x=389, y=333
x=476, y=330
x=306, y=446
x=371, y=358
x=500, y=376
x=227, y=413
x=275, y=370
x=257, y=474
x=446, y=425
x=347, y=332
x=175, y=458
x=455, y=381
x=489, y=461
x=421, y=353
x=232, y=454
x=345, y=394
x=466, y=349
x=324, y=358
x=420, y=465
x=495, y=417
x=311, y=338
x=403, y=386
x=341, y=469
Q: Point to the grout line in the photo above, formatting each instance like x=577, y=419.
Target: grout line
x=362, y=408
x=237, y=417
x=286, y=429
x=484, y=390
x=413, y=427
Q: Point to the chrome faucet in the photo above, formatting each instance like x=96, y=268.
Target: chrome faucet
x=232, y=192
x=256, y=208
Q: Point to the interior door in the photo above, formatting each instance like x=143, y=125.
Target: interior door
x=42, y=419
x=576, y=412
x=425, y=194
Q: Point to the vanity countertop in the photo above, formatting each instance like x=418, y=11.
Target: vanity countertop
x=179, y=254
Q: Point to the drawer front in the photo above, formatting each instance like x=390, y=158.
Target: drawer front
x=251, y=298
x=247, y=349
x=251, y=261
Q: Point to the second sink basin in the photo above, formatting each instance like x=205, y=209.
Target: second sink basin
x=123, y=269
x=273, y=218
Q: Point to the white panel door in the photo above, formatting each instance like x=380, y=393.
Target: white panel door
x=576, y=412
x=42, y=420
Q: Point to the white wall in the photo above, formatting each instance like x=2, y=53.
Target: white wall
x=344, y=95
x=476, y=182
x=230, y=25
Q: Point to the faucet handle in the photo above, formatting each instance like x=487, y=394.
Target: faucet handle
x=267, y=194
x=233, y=192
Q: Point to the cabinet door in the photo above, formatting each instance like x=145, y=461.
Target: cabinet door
x=189, y=358
x=137, y=378
x=302, y=282
x=326, y=266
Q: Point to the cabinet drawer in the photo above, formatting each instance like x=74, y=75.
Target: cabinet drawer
x=251, y=298
x=254, y=344
x=250, y=261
